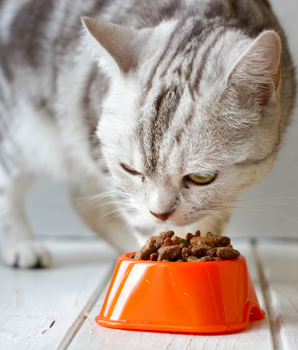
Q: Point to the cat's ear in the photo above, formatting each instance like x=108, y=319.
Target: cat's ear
x=115, y=46
x=256, y=74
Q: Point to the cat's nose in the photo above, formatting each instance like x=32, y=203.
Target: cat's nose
x=163, y=216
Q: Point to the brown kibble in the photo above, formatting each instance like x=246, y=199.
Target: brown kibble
x=164, y=235
x=158, y=241
x=175, y=239
x=185, y=253
x=203, y=250
x=217, y=241
x=210, y=251
x=224, y=241
x=226, y=253
x=216, y=258
x=205, y=258
x=195, y=259
x=192, y=259
x=169, y=253
x=189, y=236
x=168, y=242
x=169, y=247
x=201, y=240
x=180, y=260
x=198, y=251
x=221, y=241
x=153, y=256
x=149, y=248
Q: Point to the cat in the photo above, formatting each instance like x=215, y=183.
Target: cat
x=168, y=109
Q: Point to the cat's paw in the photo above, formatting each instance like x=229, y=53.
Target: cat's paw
x=28, y=254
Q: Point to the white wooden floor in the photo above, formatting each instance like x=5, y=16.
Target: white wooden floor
x=47, y=309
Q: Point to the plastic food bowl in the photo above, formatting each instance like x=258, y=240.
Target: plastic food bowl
x=213, y=297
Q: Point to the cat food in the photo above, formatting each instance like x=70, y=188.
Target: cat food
x=193, y=248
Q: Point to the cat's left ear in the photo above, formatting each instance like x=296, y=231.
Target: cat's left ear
x=256, y=75
x=116, y=47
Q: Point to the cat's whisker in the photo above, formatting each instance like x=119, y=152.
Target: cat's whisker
x=91, y=201
x=91, y=121
x=282, y=201
x=268, y=210
x=115, y=216
x=116, y=202
x=252, y=205
x=112, y=193
x=102, y=197
x=224, y=217
x=98, y=206
x=287, y=164
x=267, y=197
x=113, y=211
x=109, y=213
x=211, y=225
x=113, y=202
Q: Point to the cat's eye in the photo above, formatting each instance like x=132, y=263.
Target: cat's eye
x=130, y=170
x=199, y=179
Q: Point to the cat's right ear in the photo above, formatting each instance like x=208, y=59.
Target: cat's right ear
x=115, y=47
x=256, y=75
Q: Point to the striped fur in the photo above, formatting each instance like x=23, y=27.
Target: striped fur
x=186, y=87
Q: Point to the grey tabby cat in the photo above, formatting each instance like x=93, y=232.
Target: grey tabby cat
x=186, y=109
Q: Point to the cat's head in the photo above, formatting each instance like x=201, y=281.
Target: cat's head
x=192, y=115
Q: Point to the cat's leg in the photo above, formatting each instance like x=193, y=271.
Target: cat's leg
x=103, y=216
x=18, y=247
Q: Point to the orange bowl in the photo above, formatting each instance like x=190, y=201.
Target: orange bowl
x=213, y=297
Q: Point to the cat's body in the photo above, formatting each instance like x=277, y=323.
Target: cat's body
x=197, y=91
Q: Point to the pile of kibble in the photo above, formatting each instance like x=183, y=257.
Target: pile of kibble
x=169, y=247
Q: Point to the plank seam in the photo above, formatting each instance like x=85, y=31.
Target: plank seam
x=81, y=320
x=275, y=338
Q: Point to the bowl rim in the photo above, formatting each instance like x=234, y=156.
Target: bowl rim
x=126, y=257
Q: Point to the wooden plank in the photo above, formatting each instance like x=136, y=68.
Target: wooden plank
x=278, y=265
x=256, y=336
x=41, y=309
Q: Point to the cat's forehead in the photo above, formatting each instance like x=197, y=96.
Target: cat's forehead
x=179, y=105
x=175, y=134
x=195, y=51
